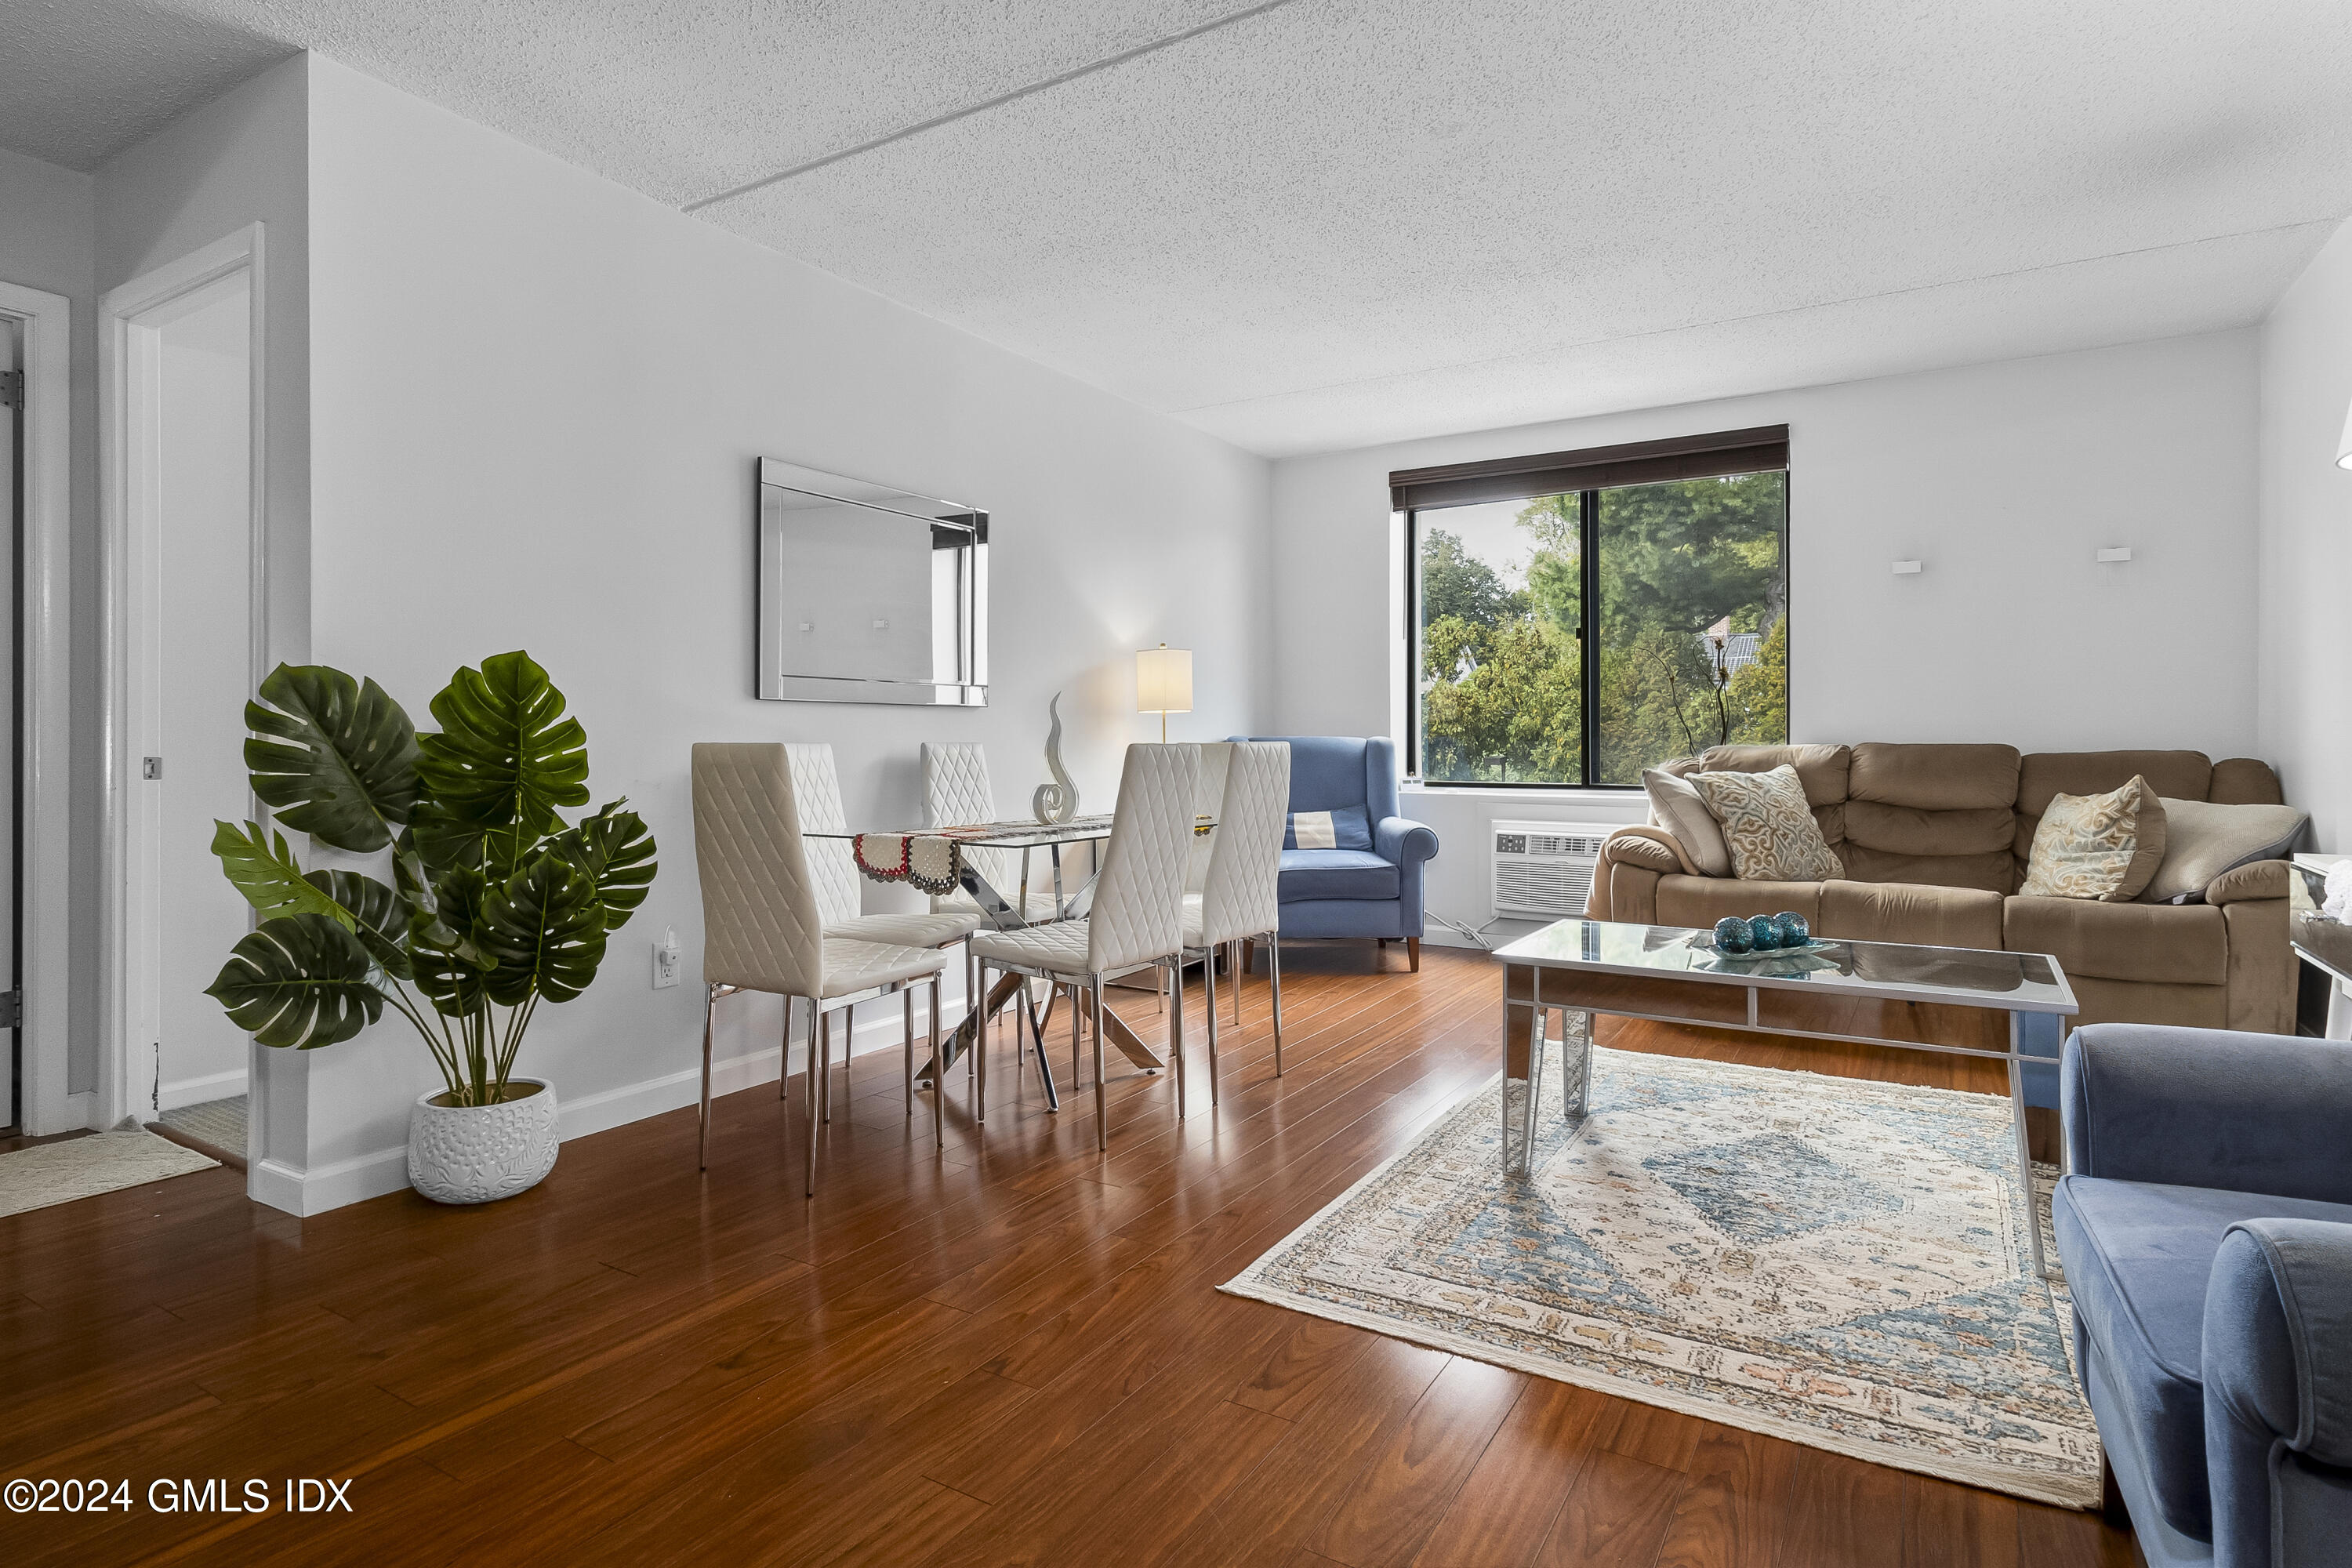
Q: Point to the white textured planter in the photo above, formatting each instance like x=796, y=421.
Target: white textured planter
x=480, y=1154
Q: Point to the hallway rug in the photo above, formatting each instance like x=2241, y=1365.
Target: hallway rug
x=84, y=1167
x=1831, y=1261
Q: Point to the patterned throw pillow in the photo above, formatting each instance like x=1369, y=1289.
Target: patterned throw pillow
x=1770, y=829
x=2102, y=847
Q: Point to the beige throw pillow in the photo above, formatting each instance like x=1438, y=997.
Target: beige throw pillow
x=1677, y=805
x=2205, y=840
x=1767, y=826
x=2101, y=846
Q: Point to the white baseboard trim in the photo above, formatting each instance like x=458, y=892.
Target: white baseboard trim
x=324, y=1187
x=315, y=1191
x=196, y=1090
x=80, y=1111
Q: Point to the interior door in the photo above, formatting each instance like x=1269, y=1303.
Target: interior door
x=197, y=621
x=12, y=472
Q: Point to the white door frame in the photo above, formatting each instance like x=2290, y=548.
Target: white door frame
x=44, y=605
x=126, y=538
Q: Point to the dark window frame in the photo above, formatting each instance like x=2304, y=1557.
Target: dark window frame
x=1584, y=474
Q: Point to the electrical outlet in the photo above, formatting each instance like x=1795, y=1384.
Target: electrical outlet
x=668, y=960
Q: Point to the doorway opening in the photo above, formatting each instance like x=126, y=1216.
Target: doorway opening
x=184, y=508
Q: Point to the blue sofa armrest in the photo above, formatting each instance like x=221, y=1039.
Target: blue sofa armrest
x=2208, y=1108
x=1401, y=841
x=2278, y=1392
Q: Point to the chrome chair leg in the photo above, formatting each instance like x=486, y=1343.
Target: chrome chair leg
x=1176, y=1031
x=1274, y=975
x=1102, y=1104
x=817, y=1051
x=711, y=1006
x=939, y=1075
x=1209, y=994
x=980, y=1070
x=1076, y=1078
x=907, y=995
x=1234, y=974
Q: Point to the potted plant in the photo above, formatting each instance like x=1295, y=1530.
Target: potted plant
x=495, y=903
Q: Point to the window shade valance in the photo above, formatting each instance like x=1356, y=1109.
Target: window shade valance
x=1758, y=450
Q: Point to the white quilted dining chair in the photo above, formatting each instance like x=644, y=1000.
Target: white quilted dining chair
x=763, y=925
x=1137, y=920
x=1237, y=901
x=832, y=865
x=956, y=794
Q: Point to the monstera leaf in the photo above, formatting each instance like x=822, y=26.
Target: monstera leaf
x=506, y=756
x=373, y=913
x=438, y=839
x=261, y=867
x=298, y=982
x=617, y=850
x=336, y=758
x=444, y=945
x=545, y=928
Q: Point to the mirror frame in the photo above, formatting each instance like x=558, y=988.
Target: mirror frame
x=772, y=684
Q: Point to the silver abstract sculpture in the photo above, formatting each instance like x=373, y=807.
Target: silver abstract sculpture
x=1057, y=802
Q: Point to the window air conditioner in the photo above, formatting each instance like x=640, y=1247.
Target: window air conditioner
x=1544, y=867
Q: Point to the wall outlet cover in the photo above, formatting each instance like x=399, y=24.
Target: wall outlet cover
x=667, y=961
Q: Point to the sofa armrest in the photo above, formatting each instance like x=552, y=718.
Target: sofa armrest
x=1652, y=848
x=2255, y=880
x=2208, y=1108
x=2277, y=1369
x=1401, y=841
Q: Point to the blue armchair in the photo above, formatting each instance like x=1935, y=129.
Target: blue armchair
x=1373, y=893
x=2206, y=1223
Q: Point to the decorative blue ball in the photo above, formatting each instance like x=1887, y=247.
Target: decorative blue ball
x=1794, y=930
x=1762, y=934
x=1731, y=935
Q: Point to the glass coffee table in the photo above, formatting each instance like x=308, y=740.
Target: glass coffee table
x=1965, y=1001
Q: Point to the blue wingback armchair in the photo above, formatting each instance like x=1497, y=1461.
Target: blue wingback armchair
x=2206, y=1223
x=1373, y=893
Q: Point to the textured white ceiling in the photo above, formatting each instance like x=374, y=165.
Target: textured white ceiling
x=1332, y=221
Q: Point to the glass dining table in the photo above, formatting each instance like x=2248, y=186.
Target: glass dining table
x=947, y=866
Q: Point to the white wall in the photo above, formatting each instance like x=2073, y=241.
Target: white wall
x=47, y=230
x=2306, y=540
x=538, y=401
x=2004, y=478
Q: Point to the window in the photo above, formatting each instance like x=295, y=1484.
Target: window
x=1579, y=617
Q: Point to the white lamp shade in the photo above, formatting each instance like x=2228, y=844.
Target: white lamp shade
x=2344, y=444
x=1163, y=679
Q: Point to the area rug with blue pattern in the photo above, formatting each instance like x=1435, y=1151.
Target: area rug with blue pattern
x=1835, y=1262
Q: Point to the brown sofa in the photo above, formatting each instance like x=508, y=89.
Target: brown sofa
x=1935, y=839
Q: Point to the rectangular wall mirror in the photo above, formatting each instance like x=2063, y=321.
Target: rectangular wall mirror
x=870, y=594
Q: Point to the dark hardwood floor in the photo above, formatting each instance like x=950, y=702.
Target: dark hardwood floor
x=1012, y=1353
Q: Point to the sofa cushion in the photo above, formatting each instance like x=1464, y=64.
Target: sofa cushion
x=1700, y=901
x=2137, y=1257
x=1993, y=873
x=1823, y=770
x=2181, y=944
x=1892, y=911
x=1934, y=777
x=1907, y=830
x=2244, y=781
x=1335, y=874
x=2041, y=776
